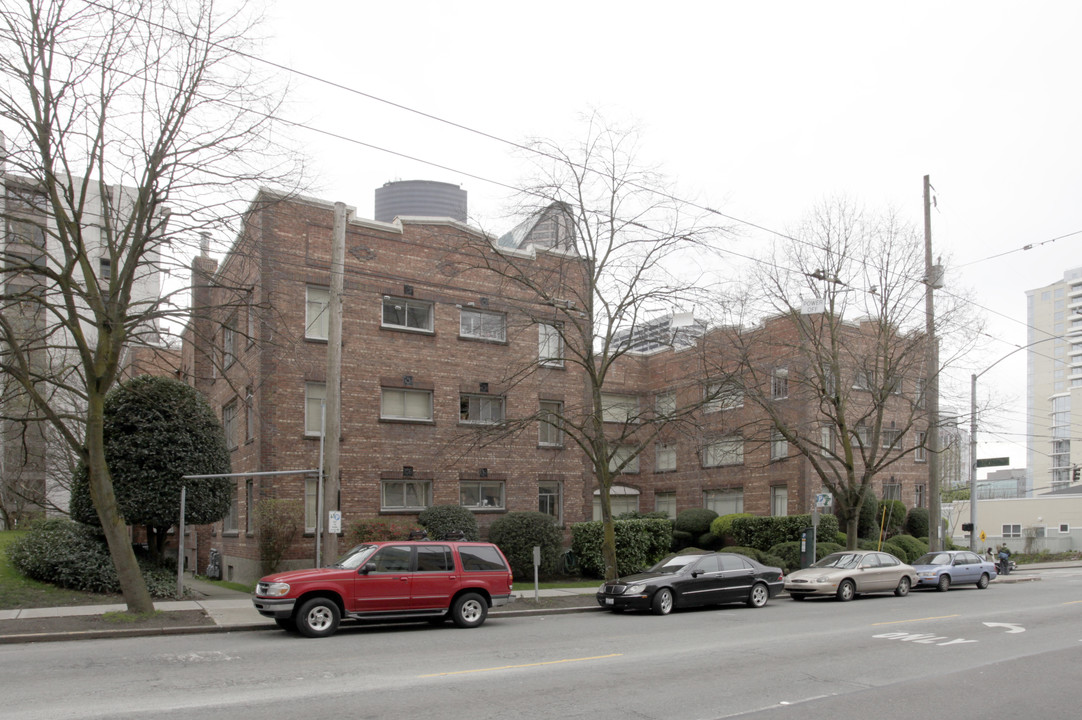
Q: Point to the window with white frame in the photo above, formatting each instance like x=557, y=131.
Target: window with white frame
x=229, y=424
x=826, y=440
x=231, y=522
x=863, y=379
x=482, y=325
x=315, y=395
x=665, y=404
x=920, y=454
x=481, y=494
x=401, y=404
x=550, y=424
x=402, y=314
x=722, y=396
x=892, y=491
x=405, y=494
x=251, y=323
x=890, y=437
x=550, y=499
x=918, y=495
x=622, y=500
x=779, y=383
x=724, y=451
x=862, y=434
x=480, y=409
x=621, y=455
x=1012, y=531
x=1064, y=528
x=229, y=341
x=665, y=502
x=724, y=502
x=316, y=317
x=249, y=408
x=779, y=446
x=664, y=457
x=311, y=500
x=550, y=345
x=619, y=408
x=779, y=500
x=249, y=506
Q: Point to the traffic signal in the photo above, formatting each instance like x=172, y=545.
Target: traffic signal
x=1074, y=476
x=967, y=527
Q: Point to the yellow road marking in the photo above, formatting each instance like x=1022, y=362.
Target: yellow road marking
x=1073, y=602
x=898, y=622
x=512, y=667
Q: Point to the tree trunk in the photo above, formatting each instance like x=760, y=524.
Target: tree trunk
x=132, y=584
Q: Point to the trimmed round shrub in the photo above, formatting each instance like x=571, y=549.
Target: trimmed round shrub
x=916, y=522
x=442, y=521
x=913, y=547
x=894, y=516
x=517, y=533
x=789, y=552
x=695, y=521
x=824, y=549
x=896, y=550
x=681, y=540
x=710, y=541
x=722, y=526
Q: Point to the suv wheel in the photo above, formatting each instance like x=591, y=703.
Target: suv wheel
x=469, y=610
x=318, y=618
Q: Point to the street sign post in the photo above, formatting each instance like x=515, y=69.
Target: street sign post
x=993, y=462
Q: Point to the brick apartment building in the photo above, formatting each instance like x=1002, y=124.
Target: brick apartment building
x=430, y=356
x=433, y=356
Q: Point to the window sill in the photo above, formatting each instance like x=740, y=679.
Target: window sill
x=231, y=533
x=401, y=511
x=407, y=421
x=486, y=510
x=408, y=330
x=550, y=446
x=486, y=341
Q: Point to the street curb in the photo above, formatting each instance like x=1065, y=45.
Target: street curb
x=208, y=629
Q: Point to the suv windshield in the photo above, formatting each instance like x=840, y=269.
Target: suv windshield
x=838, y=560
x=355, y=557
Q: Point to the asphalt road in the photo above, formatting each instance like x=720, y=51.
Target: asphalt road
x=968, y=653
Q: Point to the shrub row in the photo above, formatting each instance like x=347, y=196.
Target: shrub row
x=766, y=532
x=639, y=544
x=75, y=556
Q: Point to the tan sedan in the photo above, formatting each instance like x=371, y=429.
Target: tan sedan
x=850, y=573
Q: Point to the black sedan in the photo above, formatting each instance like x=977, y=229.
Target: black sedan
x=681, y=581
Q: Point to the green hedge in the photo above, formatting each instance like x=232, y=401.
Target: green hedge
x=913, y=547
x=755, y=554
x=517, y=533
x=443, y=520
x=695, y=521
x=639, y=544
x=375, y=529
x=722, y=526
x=73, y=555
x=916, y=522
x=766, y=532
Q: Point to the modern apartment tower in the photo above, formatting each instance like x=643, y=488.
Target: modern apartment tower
x=1053, y=382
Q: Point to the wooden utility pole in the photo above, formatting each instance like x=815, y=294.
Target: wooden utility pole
x=932, y=280
x=333, y=416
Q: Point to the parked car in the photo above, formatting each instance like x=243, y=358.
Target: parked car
x=390, y=581
x=850, y=573
x=681, y=581
x=953, y=567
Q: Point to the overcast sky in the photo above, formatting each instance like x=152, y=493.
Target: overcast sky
x=760, y=110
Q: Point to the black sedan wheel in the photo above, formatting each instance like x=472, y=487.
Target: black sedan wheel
x=662, y=603
x=758, y=595
x=903, y=587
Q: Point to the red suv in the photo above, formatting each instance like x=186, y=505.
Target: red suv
x=390, y=580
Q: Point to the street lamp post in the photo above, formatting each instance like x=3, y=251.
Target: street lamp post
x=973, y=437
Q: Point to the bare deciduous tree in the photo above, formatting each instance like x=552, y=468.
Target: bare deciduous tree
x=130, y=126
x=602, y=255
x=845, y=297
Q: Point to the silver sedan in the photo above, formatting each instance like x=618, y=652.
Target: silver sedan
x=850, y=573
